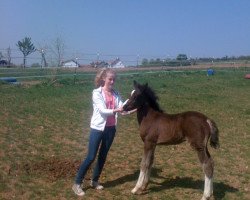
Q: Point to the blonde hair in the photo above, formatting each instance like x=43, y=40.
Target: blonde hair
x=101, y=75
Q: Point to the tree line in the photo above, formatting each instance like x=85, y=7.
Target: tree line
x=58, y=46
x=183, y=60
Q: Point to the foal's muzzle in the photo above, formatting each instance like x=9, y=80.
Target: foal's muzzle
x=125, y=106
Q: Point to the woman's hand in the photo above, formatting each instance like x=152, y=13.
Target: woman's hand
x=128, y=112
x=118, y=110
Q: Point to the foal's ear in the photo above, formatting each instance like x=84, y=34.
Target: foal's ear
x=138, y=86
x=135, y=84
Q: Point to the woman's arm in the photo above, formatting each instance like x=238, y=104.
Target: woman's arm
x=99, y=103
x=128, y=112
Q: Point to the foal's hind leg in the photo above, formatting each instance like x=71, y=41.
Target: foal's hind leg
x=146, y=165
x=208, y=168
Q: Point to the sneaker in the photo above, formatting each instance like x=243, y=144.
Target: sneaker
x=78, y=190
x=96, y=185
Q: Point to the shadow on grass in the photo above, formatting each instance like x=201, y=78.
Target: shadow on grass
x=220, y=188
x=131, y=177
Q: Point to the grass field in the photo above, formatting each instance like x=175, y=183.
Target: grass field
x=44, y=131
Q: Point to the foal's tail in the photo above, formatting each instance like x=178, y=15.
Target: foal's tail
x=214, y=139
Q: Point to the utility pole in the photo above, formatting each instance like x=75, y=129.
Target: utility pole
x=137, y=60
x=43, y=61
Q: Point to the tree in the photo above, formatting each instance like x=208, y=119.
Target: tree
x=8, y=55
x=181, y=57
x=58, y=48
x=26, y=47
x=144, y=62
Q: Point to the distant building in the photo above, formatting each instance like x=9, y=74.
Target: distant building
x=99, y=64
x=70, y=63
x=117, y=63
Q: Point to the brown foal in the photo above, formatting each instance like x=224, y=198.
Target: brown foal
x=157, y=127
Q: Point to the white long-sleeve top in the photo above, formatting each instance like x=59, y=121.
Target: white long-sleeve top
x=100, y=111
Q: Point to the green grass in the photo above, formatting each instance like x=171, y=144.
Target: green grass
x=45, y=126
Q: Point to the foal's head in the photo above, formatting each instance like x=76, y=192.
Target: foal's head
x=141, y=96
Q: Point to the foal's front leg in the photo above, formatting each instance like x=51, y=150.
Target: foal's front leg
x=146, y=165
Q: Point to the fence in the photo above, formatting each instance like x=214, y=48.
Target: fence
x=36, y=58
x=81, y=74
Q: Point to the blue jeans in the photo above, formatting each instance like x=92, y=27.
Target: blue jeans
x=96, y=138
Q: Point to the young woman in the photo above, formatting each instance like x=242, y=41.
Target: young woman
x=106, y=104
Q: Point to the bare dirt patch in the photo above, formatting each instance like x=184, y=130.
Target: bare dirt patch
x=53, y=168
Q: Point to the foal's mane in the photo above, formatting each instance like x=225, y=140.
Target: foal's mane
x=152, y=98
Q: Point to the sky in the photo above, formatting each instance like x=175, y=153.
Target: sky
x=132, y=28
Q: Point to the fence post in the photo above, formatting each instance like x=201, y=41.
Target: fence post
x=75, y=77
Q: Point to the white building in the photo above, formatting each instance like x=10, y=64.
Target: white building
x=117, y=63
x=70, y=63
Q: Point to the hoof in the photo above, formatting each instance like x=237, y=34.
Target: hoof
x=136, y=191
x=205, y=198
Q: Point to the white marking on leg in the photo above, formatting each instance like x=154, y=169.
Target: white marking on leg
x=139, y=182
x=208, y=187
x=141, y=178
x=144, y=175
x=147, y=168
